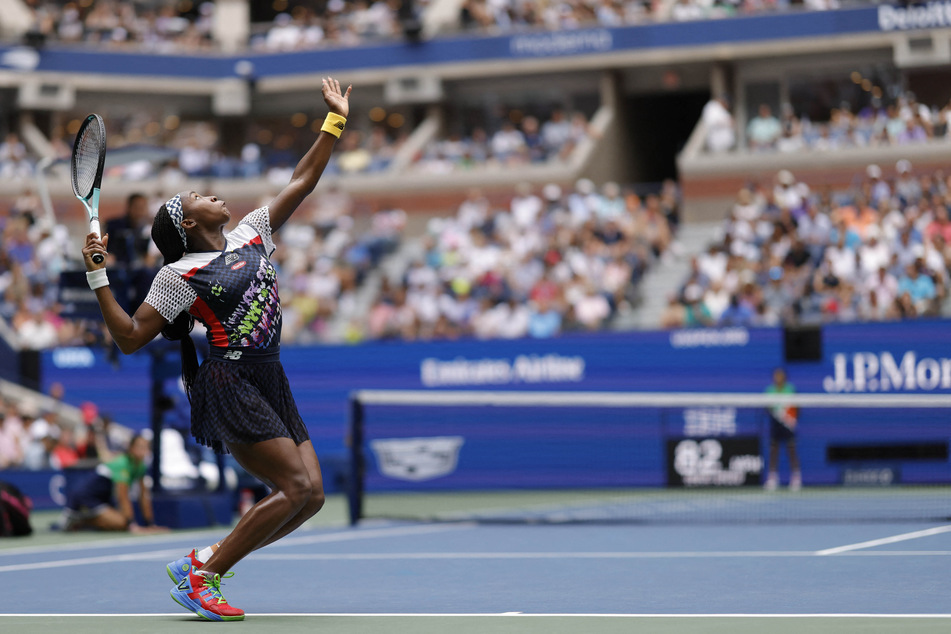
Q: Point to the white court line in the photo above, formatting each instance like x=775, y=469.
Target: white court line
x=886, y=540
x=111, y=544
x=171, y=554
x=313, y=539
x=535, y=555
x=581, y=555
x=396, y=531
x=521, y=615
x=896, y=553
x=85, y=561
x=205, y=533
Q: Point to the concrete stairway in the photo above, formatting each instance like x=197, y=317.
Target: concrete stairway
x=665, y=277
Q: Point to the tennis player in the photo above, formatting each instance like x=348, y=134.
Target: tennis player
x=240, y=398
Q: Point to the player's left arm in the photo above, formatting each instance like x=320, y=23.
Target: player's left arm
x=310, y=167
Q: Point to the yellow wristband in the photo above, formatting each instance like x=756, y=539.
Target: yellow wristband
x=334, y=124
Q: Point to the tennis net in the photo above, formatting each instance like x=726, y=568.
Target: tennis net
x=516, y=456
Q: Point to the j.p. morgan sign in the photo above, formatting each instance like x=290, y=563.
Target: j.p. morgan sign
x=882, y=372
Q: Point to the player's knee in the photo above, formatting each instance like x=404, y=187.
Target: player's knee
x=298, y=491
x=317, y=498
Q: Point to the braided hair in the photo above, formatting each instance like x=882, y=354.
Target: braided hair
x=169, y=242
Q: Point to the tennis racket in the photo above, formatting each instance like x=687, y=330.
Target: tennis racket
x=88, y=159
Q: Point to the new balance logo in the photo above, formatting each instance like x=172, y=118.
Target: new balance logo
x=232, y=355
x=231, y=257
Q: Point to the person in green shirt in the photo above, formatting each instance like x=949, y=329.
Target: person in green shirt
x=783, y=424
x=104, y=502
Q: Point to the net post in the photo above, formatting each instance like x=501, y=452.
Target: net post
x=156, y=398
x=355, y=492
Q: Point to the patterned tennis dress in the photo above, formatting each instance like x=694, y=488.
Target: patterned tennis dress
x=241, y=393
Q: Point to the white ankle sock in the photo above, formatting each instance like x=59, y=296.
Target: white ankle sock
x=204, y=554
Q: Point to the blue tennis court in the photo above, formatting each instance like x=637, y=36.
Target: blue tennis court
x=466, y=576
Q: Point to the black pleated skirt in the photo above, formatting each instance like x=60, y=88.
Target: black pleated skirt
x=246, y=403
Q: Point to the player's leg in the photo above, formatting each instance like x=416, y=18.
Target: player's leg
x=178, y=569
x=316, y=501
x=276, y=462
x=772, y=480
x=795, y=478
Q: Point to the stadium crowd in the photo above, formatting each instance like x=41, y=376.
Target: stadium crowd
x=342, y=23
x=517, y=139
x=167, y=26
x=34, y=251
x=31, y=438
x=573, y=258
x=323, y=262
x=156, y=25
x=786, y=254
x=545, y=264
x=170, y=150
x=267, y=151
x=904, y=121
x=512, y=15
x=174, y=25
x=195, y=148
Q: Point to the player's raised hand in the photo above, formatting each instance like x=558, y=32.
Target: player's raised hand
x=95, y=245
x=337, y=101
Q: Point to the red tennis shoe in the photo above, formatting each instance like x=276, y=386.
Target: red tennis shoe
x=179, y=569
x=202, y=595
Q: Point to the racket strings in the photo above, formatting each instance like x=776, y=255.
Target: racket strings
x=86, y=160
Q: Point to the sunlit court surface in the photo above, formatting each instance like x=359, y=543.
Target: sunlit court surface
x=469, y=576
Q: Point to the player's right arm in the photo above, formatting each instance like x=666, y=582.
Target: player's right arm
x=312, y=165
x=129, y=332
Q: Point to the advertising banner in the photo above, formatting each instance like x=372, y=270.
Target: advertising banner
x=467, y=448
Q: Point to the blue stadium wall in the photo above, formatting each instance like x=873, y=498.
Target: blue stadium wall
x=557, y=447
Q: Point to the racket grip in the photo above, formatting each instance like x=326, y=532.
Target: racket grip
x=95, y=228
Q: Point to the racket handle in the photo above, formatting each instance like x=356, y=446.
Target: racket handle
x=94, y=228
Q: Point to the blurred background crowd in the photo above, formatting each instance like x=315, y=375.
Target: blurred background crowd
x=174, y=25
x=789, y=254
x=878, y=122
x=35, y=439
x=548, y=261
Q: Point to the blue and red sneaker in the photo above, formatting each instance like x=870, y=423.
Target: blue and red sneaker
x=179, y=569
x=202, y=595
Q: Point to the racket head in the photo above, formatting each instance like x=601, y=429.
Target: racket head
x=89, y=156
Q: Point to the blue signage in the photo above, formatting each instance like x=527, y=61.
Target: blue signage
x=906, y=357
x=449, y=50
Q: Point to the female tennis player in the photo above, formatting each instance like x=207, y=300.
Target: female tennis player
x=240, y=398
